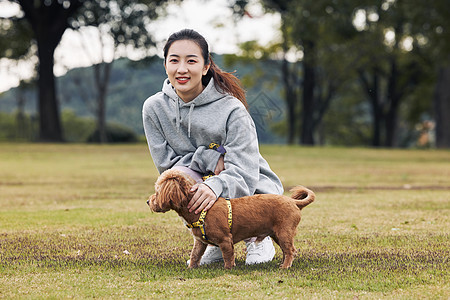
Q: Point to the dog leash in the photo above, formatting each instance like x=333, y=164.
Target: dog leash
x=201, y=220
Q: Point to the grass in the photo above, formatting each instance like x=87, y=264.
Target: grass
x=74, y=223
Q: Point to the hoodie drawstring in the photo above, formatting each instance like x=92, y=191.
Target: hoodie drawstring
x=178, y=116
x=191, y=108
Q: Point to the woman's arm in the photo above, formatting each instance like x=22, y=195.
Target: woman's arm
x=241, y=161
x=240, y=171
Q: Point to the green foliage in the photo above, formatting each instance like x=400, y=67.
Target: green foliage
x=23, y=128
x=124, y=21
x=7, y=126
x=17, y=127
x=347, y=123
x=115, y=133
x=76, y=129
x=15, y=38
x=320, y=32
x=395, y=79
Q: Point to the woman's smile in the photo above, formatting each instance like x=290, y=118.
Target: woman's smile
x=182, y=80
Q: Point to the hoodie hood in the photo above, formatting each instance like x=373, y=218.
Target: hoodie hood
x=208, y=95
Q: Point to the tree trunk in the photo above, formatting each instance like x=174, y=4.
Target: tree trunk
x=393, y=99
x=377, y=111
x=48, y=107
x=307, y=137
x=102, y=73
x=20, y=117
x=442, y=108
x=289, y=88
x=309, y=81
x=101, y=120
x=291, y=103
x=372, y=88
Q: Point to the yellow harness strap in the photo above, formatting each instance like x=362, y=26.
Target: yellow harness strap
x=230, y=213
x=200, y=223
x=201, y=220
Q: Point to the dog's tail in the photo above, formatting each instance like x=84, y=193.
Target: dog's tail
x=302, y=196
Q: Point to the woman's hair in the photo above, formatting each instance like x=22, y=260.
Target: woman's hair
x=225, y=81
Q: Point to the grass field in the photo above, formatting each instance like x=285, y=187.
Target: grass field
x=74, y=223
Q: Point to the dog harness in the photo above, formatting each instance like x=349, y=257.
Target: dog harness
x=201, y=220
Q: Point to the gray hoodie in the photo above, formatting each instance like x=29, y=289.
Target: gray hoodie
x=178, y=134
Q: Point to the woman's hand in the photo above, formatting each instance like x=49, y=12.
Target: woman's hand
x=203, y=199
x=220, y=166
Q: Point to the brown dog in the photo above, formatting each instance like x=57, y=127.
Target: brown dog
x=258, y=216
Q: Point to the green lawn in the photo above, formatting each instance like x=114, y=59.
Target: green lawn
x=74, y=223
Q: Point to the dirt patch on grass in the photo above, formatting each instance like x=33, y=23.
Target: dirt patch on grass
x=406, y=187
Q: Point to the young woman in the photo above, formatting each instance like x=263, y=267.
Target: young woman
x=200, y=104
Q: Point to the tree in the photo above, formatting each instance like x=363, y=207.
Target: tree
x=433, y=23
x=121, y=25
x=442, y=108
x=390, y=69
x=16, y=44
x=289, y=71
x=48, y=20
x=391, y=53
x=317, y=29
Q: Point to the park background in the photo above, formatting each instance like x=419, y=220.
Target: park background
x=350, y=98
x=317, y=72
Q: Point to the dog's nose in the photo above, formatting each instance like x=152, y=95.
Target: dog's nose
x=148, y=202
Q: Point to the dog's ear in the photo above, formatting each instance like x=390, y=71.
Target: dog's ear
x=173, y=189
x=172, y=194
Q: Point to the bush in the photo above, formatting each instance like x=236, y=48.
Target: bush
x=24, y=128
x=76, y=129
x=17, y=127
x=115, y=133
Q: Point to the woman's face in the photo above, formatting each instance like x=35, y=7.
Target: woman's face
x=185, y=67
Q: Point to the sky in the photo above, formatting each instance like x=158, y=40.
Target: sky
x=210, y=18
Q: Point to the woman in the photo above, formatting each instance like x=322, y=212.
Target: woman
x=200, y=104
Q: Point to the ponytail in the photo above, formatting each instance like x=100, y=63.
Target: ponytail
x=223, y=81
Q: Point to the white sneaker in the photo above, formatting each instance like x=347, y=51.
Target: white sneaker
x=261, y=252
x=212, y=254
